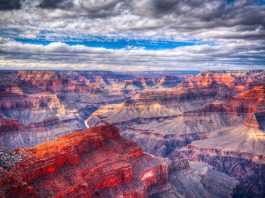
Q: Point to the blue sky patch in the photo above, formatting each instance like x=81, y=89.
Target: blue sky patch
x=119, y=43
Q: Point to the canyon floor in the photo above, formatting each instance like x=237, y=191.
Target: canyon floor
x=132, y=134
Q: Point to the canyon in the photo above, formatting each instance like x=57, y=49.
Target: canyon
x=63, y=168
x=132, y=134
x=213, y=117
x=48, y=104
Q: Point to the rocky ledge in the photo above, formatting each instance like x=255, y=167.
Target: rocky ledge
x=93, y=163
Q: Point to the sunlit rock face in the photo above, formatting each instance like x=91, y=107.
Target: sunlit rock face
x=64, y=168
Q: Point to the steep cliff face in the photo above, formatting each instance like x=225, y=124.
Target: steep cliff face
x=140, y=83
x=31, y=107
x=163, y=137
x=9, y=125
x=94, y=82
x=14, y=134
x=152, y=105
x=64, y=168
x=29, y=119
x=170, y=81
x=238, y=80
x=200, y=180
x=237, y=151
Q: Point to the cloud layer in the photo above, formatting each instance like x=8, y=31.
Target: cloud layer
x=236, y=29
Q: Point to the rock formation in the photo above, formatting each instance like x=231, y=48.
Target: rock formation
x=48, y=104
x=214, y=117
x=201, y=136
x=64, y=168
x=98, y=162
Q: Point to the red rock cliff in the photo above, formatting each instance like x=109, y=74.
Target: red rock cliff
x=93, y=163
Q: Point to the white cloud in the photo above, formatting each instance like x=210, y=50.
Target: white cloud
x=79, y=56
x=237, y=29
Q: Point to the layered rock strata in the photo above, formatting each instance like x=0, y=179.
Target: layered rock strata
x=49, y=104
x=64, y=168
x=215, y=117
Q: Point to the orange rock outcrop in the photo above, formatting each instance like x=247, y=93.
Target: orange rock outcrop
x=96, y=162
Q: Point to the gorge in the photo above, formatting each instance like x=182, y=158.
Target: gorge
x=132, y=134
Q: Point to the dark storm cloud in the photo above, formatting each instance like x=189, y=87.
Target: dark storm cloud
x=10, y=4
x=52, y=4
x=207, y=14
x=92, y=9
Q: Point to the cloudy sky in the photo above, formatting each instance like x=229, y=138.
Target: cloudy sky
x=132, y=34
